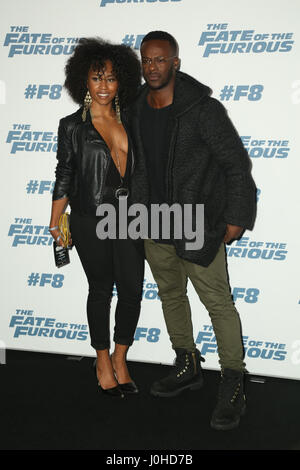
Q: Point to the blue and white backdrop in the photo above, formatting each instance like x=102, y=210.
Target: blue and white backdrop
x=249, y=55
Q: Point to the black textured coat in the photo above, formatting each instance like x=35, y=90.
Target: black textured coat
x=207, y=164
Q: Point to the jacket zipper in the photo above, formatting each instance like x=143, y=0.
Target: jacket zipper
x=170, y=162
x=194, y=361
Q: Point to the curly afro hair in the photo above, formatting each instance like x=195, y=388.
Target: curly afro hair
x=94, y=52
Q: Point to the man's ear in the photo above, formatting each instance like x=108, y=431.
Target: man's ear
x=177, y=63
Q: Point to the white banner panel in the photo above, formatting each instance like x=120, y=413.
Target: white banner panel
x=249, y=55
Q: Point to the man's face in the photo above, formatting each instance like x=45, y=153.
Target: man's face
x=158, y=63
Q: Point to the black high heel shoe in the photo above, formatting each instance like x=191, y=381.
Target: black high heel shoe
x=113, y=391
x=128, y=387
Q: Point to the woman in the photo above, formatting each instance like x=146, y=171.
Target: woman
x=95, y=162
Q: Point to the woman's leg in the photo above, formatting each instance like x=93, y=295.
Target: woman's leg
x=118, y=359
x=97, y=260
x=104, y=370
x=129, y=277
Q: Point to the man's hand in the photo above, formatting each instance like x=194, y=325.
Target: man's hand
x=232, y=232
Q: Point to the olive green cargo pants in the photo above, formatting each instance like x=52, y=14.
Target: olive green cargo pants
x=171, y=274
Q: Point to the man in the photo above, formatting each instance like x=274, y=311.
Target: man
x=188, y=152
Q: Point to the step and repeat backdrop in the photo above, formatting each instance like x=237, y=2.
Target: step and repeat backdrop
x=249, y=55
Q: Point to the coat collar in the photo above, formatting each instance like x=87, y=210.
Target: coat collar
x=187, y=93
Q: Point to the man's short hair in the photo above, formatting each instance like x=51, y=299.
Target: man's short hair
x=162, y=36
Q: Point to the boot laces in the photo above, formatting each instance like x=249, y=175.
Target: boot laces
x=182, y=363
x=229, y=389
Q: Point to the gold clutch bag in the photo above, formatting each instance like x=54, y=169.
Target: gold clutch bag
x=61, y=253
x=64, y=228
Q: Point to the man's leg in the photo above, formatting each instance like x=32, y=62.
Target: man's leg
x=169, y=274
x=211, y=284
x=171, y=279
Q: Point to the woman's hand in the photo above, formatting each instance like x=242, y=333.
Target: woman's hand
x=55, y=234
x=58, y=207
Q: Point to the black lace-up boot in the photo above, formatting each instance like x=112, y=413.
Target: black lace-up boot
x=231, y=403
x=186, y=374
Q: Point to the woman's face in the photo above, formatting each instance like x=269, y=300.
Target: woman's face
x=102, y=85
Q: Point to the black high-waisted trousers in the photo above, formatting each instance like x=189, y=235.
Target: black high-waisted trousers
x=108, y=262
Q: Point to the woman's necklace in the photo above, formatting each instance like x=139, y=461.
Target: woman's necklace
x=121, y=191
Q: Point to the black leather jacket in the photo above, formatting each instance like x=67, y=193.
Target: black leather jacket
x=83, y=163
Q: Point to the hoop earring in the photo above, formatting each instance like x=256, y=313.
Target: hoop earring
x=117, y=105
x=86, y=105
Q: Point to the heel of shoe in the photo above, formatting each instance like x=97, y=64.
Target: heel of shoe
x=113, y=391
